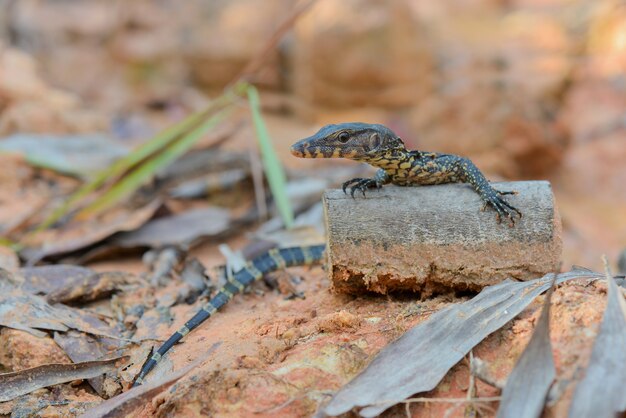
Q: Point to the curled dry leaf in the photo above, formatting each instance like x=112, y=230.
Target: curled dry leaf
x=602, y=392
x=434, y=346
x=26, y=381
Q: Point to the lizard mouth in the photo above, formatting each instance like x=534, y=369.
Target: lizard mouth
x=313, y=148
x=297, y=149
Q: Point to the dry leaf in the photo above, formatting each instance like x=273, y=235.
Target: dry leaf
x=26, y=381
x=24, y=311
x=418, y=360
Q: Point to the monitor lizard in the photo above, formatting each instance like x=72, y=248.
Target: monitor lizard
x=380, y=147
x=376, y=145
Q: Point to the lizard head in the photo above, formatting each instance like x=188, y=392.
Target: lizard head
x=356, y=141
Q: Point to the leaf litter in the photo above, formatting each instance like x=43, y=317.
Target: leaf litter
x=183, y=229
x=602, y=392
x=42, y=280
x=436, y=345
x=77, y=155
x=70, y=284
x=79, y=235
x=32, y=313
x=81, y=347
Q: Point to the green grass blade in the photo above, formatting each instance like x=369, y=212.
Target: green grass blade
x=135, y=179
x=273, y=168
x=119, y=167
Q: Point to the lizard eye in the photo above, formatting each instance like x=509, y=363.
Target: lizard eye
x=343, y=137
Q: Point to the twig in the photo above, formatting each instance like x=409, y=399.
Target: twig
x=478, y=368
x=471, y=390
x=259, y=59
x=440, y=400
x=607, y=269
x=256, y=168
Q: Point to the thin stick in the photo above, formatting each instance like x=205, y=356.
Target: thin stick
x=441, y=400
x=259, y=59
x=607, y=269
x=452, y=400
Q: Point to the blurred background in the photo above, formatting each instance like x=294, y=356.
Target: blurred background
x=528, y=89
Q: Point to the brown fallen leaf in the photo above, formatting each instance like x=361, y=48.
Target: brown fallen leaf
x=125, y=403
x=25, y=381
x=602, y=392
x=524, y=395
x=418, y=360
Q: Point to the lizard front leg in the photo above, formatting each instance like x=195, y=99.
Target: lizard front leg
x=379, y=179
x=492, y=197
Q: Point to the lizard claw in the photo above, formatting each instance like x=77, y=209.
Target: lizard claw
x=503, y=208
x=345, y=185
x=359, y=184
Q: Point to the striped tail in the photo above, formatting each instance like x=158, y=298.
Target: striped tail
x=274, y=259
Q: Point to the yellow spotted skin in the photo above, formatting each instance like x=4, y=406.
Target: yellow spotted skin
x=380, y=147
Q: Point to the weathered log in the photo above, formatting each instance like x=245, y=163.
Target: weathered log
x=436, y=238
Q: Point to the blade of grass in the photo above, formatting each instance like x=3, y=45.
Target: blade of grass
x=135, y=179
x=5, y=242
x=120, y=166
x=237, y=88
x=273, y=168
